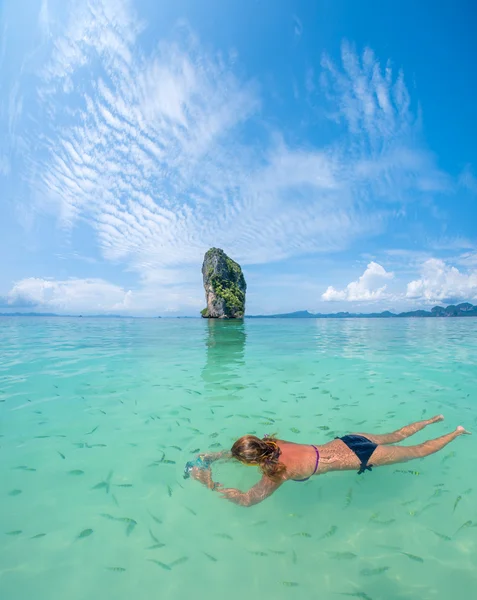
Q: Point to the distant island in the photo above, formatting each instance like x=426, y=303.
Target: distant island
x=460, y=310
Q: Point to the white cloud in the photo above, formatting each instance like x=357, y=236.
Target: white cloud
x=165, y=292
x=149, y=150
x=365, y=288
x=5, y=166
x=440, y=282
x=376, y=107
x=69, y=295
x=154, y=162
x=297, y=26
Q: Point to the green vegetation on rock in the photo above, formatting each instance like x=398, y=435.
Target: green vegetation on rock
x=224, y=286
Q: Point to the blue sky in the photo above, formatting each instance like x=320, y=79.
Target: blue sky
x=328, y=147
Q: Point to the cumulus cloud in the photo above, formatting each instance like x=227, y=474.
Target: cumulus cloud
x=365, y=288
x=69, y=295
x=440, y=282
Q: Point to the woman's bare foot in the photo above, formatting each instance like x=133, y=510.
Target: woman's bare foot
x=462, y=431
x=436, y=419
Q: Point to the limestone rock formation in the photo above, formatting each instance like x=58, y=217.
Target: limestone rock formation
x=224, y=286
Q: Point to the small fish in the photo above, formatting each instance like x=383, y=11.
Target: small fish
x=210, y=557
x=61, y=454
x=294, y=430
x=155, y=546
x=466, y=491
x=342, y=555
x=331, y=531
x=85, y=533
x=438, y=493
x=302, y=534
x=195, y=451
x=116, y=569
x=192, y=512
x=15, y=532
x=290, y=583
x=349, y=497
x=166, y=461
x=377, y=571
x=37, y=536
x=257, y=523
x=357, y=595
x=76, y=472
x=426, y=507
x=225, y=536
x=169, y=490
x=179, y=561
x=130, y=528
x=156, y=519
x=407, y=471
x=458, y=499
x=100, y=485
x=446, y=458
x=160, y=564
x=441, y=535
x=258, y=553
x=92, y=431
x=124, y=485
x=153, y=537
x=14, y=492
x=413, y=557
x=25, y=468
x=177, y=448
x=387, y=522
x=465, y=525
x=277, y=551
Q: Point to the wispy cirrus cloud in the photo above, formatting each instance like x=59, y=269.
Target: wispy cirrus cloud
x=150, y=150
x=376, y=106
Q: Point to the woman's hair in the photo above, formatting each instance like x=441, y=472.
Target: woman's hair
x=265, y=453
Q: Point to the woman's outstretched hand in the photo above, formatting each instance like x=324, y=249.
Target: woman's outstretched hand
x=205, y=477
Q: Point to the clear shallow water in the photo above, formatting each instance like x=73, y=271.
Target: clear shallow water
x=89, y=406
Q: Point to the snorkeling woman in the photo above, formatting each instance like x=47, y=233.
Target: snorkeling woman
x=280, y=461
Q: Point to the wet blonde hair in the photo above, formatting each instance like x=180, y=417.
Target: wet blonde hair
x=251, y=450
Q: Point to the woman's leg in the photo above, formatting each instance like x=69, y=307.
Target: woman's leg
x=385, y=455
x=401, y=434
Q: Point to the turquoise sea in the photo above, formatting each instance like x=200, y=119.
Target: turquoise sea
x=99, y=416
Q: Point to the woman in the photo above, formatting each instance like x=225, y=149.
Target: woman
x=280, y=461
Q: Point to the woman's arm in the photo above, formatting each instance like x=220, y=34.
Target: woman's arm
x=263, y=489
x=213, y=456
